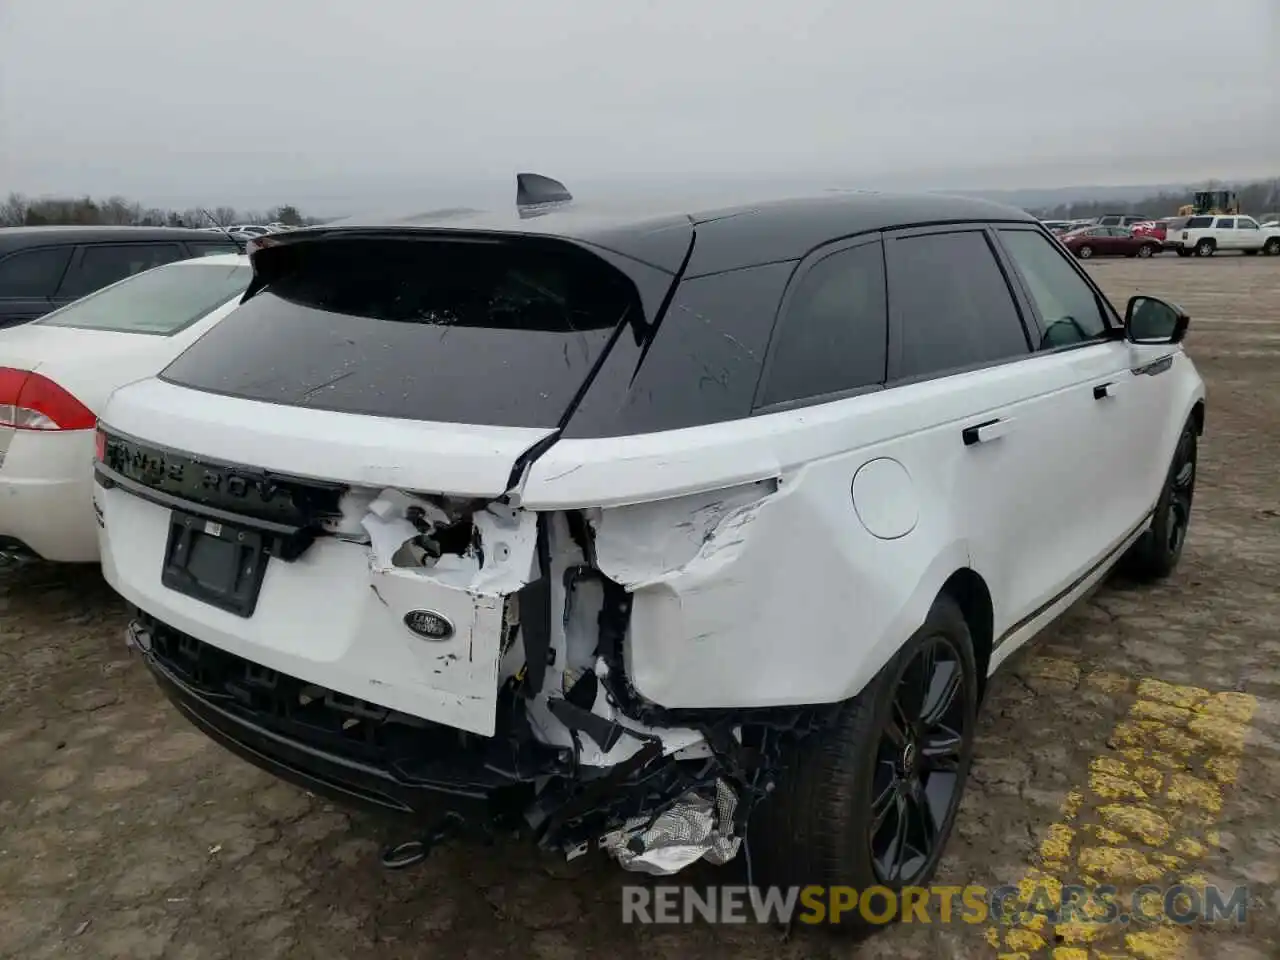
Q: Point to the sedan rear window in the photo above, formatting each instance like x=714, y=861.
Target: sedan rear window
x=161, y=301
x=499, y=333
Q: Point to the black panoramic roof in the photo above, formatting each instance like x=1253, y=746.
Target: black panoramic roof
x=728, y=237
x=12, y=238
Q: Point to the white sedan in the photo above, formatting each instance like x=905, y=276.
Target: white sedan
x=57, y=372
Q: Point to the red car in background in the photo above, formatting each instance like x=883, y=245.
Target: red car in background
x=1110, y=242
x=1156, y=229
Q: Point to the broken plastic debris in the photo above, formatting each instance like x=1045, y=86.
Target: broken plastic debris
x=386, y=537
x=699, y=825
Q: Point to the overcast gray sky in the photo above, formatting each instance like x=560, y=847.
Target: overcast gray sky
x=354, y=102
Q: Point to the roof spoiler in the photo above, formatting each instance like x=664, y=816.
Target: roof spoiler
x=536, y=194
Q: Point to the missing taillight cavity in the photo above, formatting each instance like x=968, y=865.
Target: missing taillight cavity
x=29, y=401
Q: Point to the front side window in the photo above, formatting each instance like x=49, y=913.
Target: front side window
x=1068, y=307
x=33, y=274
x=832, y=338
x=1245, y=223
x=950, y=303
x=105, y=263
x=160, y=302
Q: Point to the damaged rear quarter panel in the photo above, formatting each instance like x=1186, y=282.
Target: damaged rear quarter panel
x=753, y=582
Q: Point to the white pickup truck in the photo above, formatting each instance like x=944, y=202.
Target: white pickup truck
x=1206, y=235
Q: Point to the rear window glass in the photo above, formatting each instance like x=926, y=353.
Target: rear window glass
x=211, y=248
x=161, y=301
x=1196, y=223
x=493, y=333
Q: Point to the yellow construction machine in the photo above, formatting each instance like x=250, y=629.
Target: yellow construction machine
x=1212, y=203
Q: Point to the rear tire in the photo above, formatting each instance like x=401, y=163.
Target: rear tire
x=1146, y=250
x=1085, y=252
x=1156, y=553
x=898, y=753
x=1206, y=248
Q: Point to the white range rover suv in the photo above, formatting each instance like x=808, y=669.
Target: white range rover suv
x=623, y=529
x=1206, y=235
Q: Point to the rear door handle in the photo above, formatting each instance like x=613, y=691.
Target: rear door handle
x=1103, y=390
x=983, y=432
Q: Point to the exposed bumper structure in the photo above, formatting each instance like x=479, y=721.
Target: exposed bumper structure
x=655, y=812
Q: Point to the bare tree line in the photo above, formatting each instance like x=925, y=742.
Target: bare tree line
x=1261, y=198
x=17, y=210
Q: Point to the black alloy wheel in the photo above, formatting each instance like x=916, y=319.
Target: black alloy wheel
x=872, y=799
x=919, y=762
x=1182, y=488
x=1156, y=553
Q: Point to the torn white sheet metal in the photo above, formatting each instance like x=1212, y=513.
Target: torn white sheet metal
x=502, y=565
x=471, y=591
x=697, y=826
x=649, y=543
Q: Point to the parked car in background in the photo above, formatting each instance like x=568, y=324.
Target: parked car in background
x=55, y=374
x=1120, y=219
x=253, y=230
x=1155, y=229
x=1109, y=242
x=514, y=528
x=1204, y=236
x=43, y=268
x=1173, y=227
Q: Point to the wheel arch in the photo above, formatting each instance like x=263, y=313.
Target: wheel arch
x=1197, y=417
x=970, y=592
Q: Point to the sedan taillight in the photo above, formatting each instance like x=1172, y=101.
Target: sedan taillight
x=29, y=401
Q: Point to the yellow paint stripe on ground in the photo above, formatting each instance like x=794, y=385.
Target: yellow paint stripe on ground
x=1145, y=816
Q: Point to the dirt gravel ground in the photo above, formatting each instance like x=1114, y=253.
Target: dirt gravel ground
x=1139, y=740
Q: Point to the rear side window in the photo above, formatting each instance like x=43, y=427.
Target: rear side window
x=159, y=302
x=103, y=264
x=1199, y=223
x=1067, y=305
x=702, y=365
x=833, y=335
x=1226, y=224
x=951, y=306
x=494, y=333
x=33, y=274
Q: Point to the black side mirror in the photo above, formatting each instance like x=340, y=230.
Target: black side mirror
x=1152, y=321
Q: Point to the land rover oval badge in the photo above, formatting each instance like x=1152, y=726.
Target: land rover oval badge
x=428, y=624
